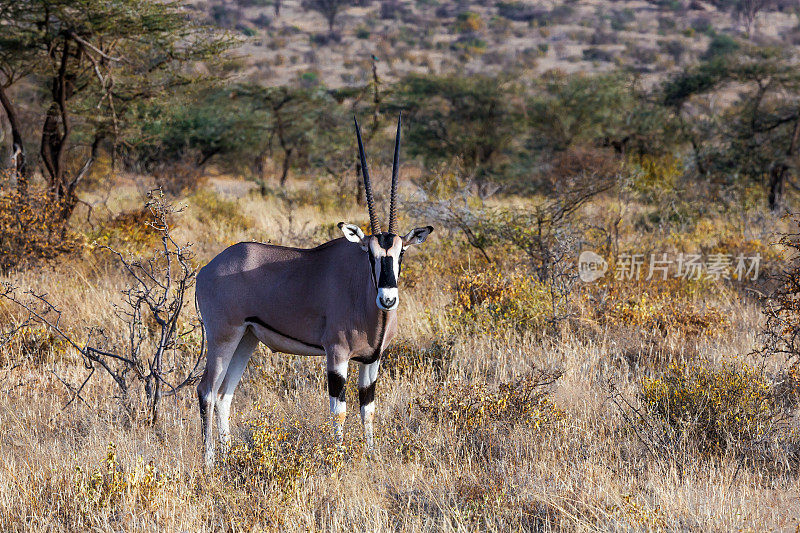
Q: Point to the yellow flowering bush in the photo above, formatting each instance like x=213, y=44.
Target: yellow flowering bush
x=653, y=174
x=404, y=358
x=31, y=229
x=491, y=301
x=271, y=456
x=212, y=207
x=131, y=231
x=110, y=484
x=33, y=343
x=657, y=305
x=282, y=455
x=471, y=406
x=468, y=22
x=713, y=407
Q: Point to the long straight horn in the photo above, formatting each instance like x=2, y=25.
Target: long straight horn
x=395, y=170
x=367, y=185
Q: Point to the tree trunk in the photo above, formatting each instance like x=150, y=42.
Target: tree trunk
x=56, y=131
x=287, y=159
x=21, y=165
x=777, y=176
x=331, y=19
x=777, y=180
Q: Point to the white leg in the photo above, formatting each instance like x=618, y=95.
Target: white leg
x=225, y=392
x=337, y=379
x=219, y=354
x=367, y=375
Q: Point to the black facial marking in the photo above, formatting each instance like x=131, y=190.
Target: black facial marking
x=387, y=279
x=385, y=240
x=367, y=395
x=336, y=385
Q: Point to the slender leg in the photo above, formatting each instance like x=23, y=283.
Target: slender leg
x=367, y=375
x=337, y=378
x=232, y=377
x=220, y=352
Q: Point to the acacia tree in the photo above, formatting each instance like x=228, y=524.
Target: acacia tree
x=92, y=60
x=327, y=8
x=474, y=119
x=758, y=137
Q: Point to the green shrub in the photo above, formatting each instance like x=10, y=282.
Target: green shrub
x=721, y=45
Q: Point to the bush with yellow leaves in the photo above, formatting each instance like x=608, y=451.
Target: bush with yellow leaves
x=663, y=306
x=110, y=484
x=31, y=227
x=32, y=343
x=280, y=455
x=132, y=231
x=471, y=406
x=490, y=301
x=715, y=409
x=404, y=359
x=211, y=207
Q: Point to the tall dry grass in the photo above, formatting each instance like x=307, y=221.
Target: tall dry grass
x=571, y=463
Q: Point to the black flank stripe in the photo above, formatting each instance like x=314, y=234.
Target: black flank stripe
x=256, y=320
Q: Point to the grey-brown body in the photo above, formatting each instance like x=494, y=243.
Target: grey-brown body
x=321, y=297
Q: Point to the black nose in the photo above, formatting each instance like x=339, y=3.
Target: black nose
x=388, y=302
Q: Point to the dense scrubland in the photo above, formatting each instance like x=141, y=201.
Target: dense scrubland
x=520, y=394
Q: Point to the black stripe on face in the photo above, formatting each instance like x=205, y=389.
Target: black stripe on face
x=336, y=386
x=385, y=240
x=367, y=395
x=387, y=279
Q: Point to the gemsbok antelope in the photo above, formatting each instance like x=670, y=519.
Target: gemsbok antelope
x=338, y=300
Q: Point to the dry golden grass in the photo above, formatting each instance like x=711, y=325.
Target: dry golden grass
x=565, y=460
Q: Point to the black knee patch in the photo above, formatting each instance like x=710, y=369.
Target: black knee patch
x=336, y=385
x=367, y=395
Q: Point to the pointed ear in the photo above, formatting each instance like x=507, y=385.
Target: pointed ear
x=416, y=236
x=353, y=234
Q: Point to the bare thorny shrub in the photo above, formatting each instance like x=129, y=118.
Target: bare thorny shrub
x=781, y=334
x=154, y=351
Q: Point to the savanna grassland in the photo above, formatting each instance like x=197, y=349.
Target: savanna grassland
x=642, y=410
x=139, y=139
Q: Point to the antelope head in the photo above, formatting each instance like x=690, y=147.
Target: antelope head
x=384, y=248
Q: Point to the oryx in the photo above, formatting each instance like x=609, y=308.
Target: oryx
x=338, y=300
